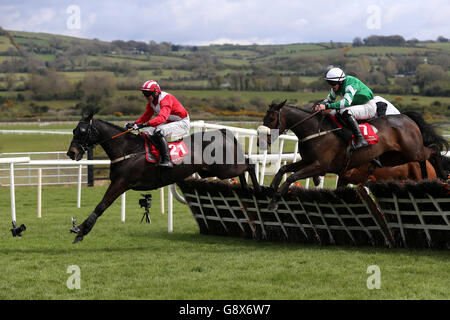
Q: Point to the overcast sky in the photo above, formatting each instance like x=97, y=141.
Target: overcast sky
x=202, y=22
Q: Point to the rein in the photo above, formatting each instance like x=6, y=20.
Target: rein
x=85, y=146
x=299, y=122
x=320, y=133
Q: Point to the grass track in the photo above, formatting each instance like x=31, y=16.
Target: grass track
x=134, y=260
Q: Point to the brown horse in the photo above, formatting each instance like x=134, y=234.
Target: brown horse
x=211, y=154
x=407, y=171
x=324, y=149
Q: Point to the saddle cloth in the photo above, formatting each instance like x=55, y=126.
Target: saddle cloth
x=369, y=132
x=177, y=151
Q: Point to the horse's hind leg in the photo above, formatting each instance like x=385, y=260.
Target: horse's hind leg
x=243, y=182
x=438, y=166
x=115, y=189
x=251, y=171
x=423, y=169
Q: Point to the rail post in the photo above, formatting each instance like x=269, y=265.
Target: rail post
x=90, y=168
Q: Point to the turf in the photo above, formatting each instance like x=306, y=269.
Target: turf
x=133, y=260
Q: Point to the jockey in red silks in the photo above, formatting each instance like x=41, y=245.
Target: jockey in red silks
x=171, y=120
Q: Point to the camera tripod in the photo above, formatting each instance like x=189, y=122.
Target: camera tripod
x=146, y=203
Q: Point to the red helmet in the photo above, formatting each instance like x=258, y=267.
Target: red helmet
x=151, y=85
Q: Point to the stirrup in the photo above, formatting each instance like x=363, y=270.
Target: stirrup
x=363, y=143
x=376, y=162
x=167, y=164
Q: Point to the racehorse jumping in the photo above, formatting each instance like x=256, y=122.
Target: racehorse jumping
x=407, y=171
x=211, y=154
x=323, y=149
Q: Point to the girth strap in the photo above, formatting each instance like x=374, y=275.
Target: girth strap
x=125, y=157
x=318, y=135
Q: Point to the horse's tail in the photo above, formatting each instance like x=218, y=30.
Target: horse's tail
x=432, y=140
x=446, y=164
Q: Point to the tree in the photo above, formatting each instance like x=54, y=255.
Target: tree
x=357, y=42
x=427, y=74
x=295, y=83
x=388, y=67
x=98, y=84
x=50, y=85
x=10, y=80
x=385, y=41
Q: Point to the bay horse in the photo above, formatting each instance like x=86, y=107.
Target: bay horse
x=210, y=154
x=323, y=150
x=407, y=171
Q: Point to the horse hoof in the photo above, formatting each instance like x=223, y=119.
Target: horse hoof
x=273, y=205
x=75, y=229
x=77, y=239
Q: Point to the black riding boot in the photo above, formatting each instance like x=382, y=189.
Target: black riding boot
x=163, y=147
x=353, y=125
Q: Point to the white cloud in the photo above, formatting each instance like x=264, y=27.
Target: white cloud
x=229, y=21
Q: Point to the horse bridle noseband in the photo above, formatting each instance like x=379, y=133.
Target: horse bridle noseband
x=83, y=143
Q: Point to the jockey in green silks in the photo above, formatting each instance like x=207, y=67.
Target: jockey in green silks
x=357, y=103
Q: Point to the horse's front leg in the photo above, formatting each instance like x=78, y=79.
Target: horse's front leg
x=291, y=167
x=305, y=172
x=115, y=189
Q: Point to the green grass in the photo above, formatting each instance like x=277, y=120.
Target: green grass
x=382, y=50
x=34, y=142
x=134, y=260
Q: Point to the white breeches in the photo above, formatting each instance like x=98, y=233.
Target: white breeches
x=172, y=130
x=390, y=107
x=369, y=109
x=362, y=111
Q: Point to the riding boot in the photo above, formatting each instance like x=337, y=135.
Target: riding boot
x=163, y=147
x=353, y=125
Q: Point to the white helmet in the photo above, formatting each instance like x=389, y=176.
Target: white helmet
x=335, y=75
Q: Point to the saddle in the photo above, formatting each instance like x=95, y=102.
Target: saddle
x=369, y=132
x=177, y=150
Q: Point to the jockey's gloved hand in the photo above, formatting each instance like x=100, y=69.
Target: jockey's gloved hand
x=137, y=126
x=128, y=125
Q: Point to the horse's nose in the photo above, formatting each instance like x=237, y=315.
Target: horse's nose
x=71, y=154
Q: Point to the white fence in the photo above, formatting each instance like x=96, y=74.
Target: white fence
x=27, y=174
x=26, y=164
x=32, y=172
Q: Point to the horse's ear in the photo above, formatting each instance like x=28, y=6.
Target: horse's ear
x=88, y=113
x=281, y=105
x=87, y=116
x=91, y=115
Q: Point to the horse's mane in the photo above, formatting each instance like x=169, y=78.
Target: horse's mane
x=121, y=129
x=111, y=125
x=299, y=108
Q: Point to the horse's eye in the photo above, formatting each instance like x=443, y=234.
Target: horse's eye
x=83, y=130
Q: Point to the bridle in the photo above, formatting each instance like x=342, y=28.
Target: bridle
x=312, y=136
x=84, y=143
